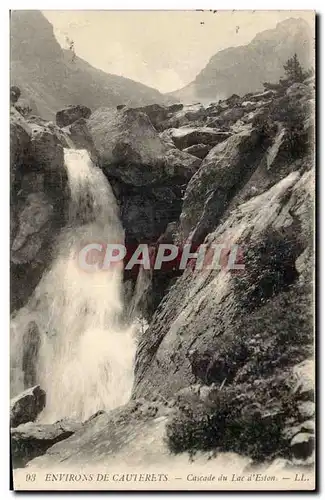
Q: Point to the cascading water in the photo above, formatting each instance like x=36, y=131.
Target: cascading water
x=85, y=358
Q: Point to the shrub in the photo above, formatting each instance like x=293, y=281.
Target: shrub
x=240, y=420
x=269, y=268
x=249, y=415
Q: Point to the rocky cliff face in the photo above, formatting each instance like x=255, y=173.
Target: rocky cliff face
x=38, y=200
x=238, y=70
x=51, y=79
x=226, y=363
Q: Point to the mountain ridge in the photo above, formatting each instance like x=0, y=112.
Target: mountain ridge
x=50, y=78
x=243, y=69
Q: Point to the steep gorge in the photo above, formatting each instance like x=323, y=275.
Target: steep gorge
x=209, y=341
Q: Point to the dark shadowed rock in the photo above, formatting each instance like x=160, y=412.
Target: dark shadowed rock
x=46, y=149
x=156, y=113
x=198, y=150
x=71, y=114
x=173, y=108
x=14, y=94
x=186, y=137
x=26, y=406
x=20, y=137
x=31, y=346
x=38, y=200
x=32, y=228
x=32, y=440
x=302, y=445
x=81, y=137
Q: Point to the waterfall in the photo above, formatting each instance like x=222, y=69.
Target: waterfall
x=86, y=351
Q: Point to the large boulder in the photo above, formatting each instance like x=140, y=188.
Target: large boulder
x=80, y=137
x=27, y=406
x=20, y=138
x=46, y=149
x=72, y=113
x=32, y=440
x=185, y=137
x=156, y=113
x=227, y=166
x=38, y=200
x=107, y=438
x=32, y=228
x=131, y=150
x=145, y=213
x=190, y=114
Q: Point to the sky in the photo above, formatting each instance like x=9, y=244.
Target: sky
x=162, y=49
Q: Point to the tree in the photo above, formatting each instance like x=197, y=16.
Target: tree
x=294, y=71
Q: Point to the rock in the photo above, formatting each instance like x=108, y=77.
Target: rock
x=306, y=410
x=198, y=150
x=232, y=100
x=263, y=95
x=248, y=106
x=307, y=426
x=38, y=200
x=31, y=346
x=131, y=150
x=32, y=440
x=221, y=170
x=20, y=135
x=186, y=137
x=230, y=116
x=32, y=228
x=298, y=90
x=14, y=94
x=37, y=120
x=165, y=136
x=174, y=108
x=146, y=213
x=26, y=406
x=46, y=149
x=71, y=114
x=156, y=113
x=113, y=437
x=81, y=137
x=189, y=114
x=199, y=310
x=180, y=165
x=120, y=106
x=275, y=153
x=304, y=375
x=302, y=445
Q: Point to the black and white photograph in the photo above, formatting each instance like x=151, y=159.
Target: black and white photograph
x=162, y=250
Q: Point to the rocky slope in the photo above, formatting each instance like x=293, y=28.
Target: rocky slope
x=227, y=361
x=51, y=79
x=238, y=70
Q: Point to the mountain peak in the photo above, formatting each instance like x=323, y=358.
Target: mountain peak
x=243, y=69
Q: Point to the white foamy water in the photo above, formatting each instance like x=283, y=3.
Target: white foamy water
x=86, y=352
